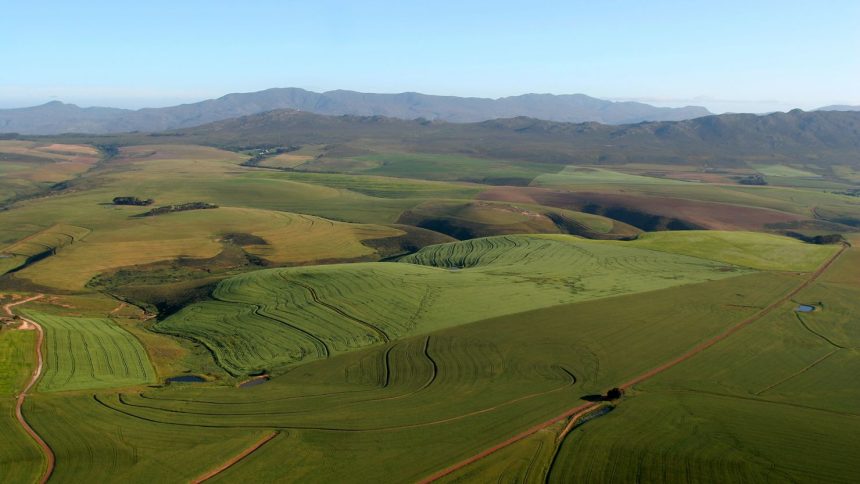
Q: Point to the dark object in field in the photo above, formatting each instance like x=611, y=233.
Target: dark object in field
x=613, y=394
x=132, y=201
x=182, y=207
x=186, y=379
x=752, y=180
x=818, y=239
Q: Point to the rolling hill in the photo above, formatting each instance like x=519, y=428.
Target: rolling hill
x=817, y=138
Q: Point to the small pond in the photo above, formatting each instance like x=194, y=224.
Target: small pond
x=805, y=308
x=186, y=379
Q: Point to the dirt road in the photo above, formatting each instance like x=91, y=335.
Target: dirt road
x=29, y=325
x=642, y=377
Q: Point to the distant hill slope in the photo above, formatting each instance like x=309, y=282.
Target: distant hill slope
x=819, y=138
x=56, y=117
x=839, y=107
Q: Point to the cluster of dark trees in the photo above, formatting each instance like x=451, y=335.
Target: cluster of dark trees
x=132, y=201
x=182, y=207
x=752, y=180
x=818, y=239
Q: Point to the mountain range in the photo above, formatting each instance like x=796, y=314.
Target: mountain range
x=816, y=138
x=56, y=117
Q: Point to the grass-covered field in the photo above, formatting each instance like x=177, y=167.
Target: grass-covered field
x=421, y=403
x=16, y=359
x=86, y=353
x=282, y=316
x=394, y=351
x=748, y=249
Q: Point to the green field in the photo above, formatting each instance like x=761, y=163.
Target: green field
x=285, y=316
x=86, y=353
x=16, y=359
x=413, y=309
x=784, y=171
x=749, y=249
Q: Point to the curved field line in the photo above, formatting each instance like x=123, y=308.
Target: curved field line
x=19, y=402
x=644, y=376
x=322, y=429
x=235, y=460
x=367, y=325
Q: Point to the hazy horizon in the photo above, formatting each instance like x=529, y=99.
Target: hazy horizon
x=735, y=56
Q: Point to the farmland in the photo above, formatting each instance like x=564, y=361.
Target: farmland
x=402, y=311
x=89, y=353
x=290, y=315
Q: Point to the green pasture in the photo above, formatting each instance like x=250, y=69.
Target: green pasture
x=403, y=410
x=784, y=171
x=424, y=166
x=282, y=316
x=17, y=352
x=20, y=458
x=572, y=176
x=748, y=249
x=86, y=353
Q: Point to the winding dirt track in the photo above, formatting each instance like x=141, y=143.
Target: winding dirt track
x=235, y=460
x=37, y=372
x=584, y=408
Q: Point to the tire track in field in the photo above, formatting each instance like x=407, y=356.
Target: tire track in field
x=121, y=401
x=644, y=376
x=797, y=373
x=236, y=459
x=315, y=340
x=19, y=401
x=365, y=324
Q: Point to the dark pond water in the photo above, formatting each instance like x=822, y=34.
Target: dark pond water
x=803, y=308
x=186, y=379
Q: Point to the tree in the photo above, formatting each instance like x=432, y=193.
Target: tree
x=614, y=394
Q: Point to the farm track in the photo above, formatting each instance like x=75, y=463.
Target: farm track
x=19, y=401
x=236, y=459
x=585, y=408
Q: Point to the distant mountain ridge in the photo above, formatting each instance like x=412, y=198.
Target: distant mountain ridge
x=56, y=117
x=819, y=138
x=839, y=107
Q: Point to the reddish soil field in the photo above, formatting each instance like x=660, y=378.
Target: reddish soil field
x=710, y=215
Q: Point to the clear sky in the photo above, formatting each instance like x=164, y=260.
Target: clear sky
x=751, y=55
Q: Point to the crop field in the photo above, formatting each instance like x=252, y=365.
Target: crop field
x=290, y=315
x=749, y=249
x=481, y=219
x=572, y=176
x=496, y=376
x=197, y=235
x=442, y=167
x=26, y=167
x=784, y=171
x=86, y=353
x=16, y=355
x=355, y=312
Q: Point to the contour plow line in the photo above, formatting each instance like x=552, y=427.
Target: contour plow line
x=37, y=372
x=236, y=459
x=585, y=408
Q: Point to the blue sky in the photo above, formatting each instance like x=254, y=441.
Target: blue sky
x=753, y=55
